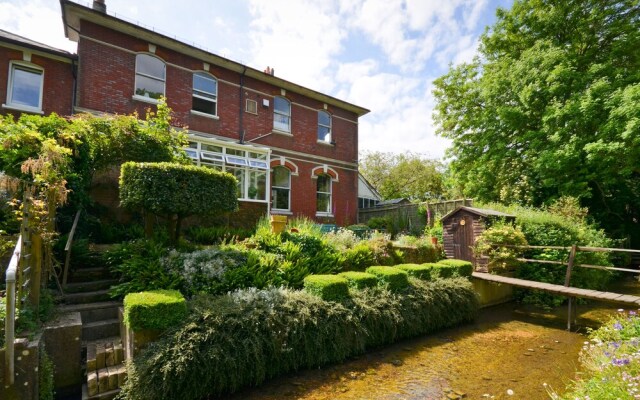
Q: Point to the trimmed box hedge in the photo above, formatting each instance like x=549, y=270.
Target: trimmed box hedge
x=327, y=287
x=170, y=188
x=395, y=278
x=419, y=271
x=462, y=268
x=156, y=309
x=360, y=280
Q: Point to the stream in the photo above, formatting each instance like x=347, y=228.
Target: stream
x=509, y=352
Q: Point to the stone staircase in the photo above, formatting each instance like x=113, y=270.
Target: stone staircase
x=87, y=293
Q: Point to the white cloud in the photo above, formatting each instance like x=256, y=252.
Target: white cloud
x=299, y=39
x=37, y=20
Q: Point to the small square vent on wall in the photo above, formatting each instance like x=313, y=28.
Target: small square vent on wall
x=265, y=102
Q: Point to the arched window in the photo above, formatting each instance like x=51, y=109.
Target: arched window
x=323, y=194
x=281, y=189
x=205, y=93
x=324, y=126
x=150, y=76
x=281, y=114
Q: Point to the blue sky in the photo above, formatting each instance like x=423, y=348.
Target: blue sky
x=379, y=54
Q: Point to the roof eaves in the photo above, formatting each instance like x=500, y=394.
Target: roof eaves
x=72, y=29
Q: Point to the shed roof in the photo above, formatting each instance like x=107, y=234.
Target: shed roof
x=401, y=200
x=483, y=212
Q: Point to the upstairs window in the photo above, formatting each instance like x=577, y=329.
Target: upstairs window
x=281, y=189
x=205, y=93
x=324, y=126
x=323, y=195
x=25, y=87
x=150, y=76
x=281, y=114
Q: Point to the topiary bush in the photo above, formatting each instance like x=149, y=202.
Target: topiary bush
x=157, y=310
x=418, y=271
x=461, y=268
x=176, y=191
x=245, y=337
x=327, y=287
x=394, y=278
x=360, y=280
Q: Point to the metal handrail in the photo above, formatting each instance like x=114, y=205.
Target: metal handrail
x=67, y=249
x=10, y=318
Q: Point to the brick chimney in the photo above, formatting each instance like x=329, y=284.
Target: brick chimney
x=100, y=6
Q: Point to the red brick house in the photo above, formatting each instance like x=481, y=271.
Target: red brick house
x=293, y=150
x=35, y=78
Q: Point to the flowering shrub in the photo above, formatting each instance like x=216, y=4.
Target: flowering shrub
x=611, y=360
x=342, y=239
x=495, y=243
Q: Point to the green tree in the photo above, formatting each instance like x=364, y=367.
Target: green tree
x=407, y=175
x=551, y=108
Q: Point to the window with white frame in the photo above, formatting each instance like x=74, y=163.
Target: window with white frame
x=248, y=166
x=281, y=189
x=205, y=93
x=324, y=126
x=150, y=76
x=281, y=114
x=25, y=87
x=323, y=194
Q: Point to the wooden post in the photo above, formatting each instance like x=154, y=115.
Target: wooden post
x=567, y=280
x=36, y=272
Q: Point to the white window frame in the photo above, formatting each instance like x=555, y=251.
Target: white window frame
x=288, y=189
x=330, y=134
x=163, y=80
x=327, y=213
x=277, y=113
x=13, y=65
x=249, y=161
x=254, y=107
x=213, y=100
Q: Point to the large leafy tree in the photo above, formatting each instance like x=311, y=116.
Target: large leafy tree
x=409, y=175
x=551, y=108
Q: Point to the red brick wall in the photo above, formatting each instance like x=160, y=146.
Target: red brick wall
x=107, y=80
x=344, y=195
x=58, y=81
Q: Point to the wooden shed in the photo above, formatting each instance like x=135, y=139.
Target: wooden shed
x=462, y=226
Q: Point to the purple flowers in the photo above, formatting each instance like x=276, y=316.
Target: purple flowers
x=617, y=326
x=620, y=361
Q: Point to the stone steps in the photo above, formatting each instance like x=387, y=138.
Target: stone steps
x=87, y=297
x=90, y=286
x=89, y=274
x=92, y=312
x=106, y=371
x=100, y=329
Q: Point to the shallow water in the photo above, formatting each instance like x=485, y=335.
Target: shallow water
x=509, y=349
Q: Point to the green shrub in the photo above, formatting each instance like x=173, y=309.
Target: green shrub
x=383, y=251
x=380, y=223
x=495, y=244
x=245, y=337
x=461, y=268
x=360, y=280
x=394, y=278
x=419, y=271
x=358, y=257
x=543, y=228
x=138, y=265
x=176, y=190
x=216, y=234
x=327, y=287
x=157, y=310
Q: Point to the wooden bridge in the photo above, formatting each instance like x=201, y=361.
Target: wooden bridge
x=566, y=289
x=561, y=290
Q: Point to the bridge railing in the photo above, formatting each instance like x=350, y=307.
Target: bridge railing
x=571, y=262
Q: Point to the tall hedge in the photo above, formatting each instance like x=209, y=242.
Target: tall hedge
x=245, y=337
x=176, y=190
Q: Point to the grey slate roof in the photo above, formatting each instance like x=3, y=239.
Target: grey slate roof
x=23, y=41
